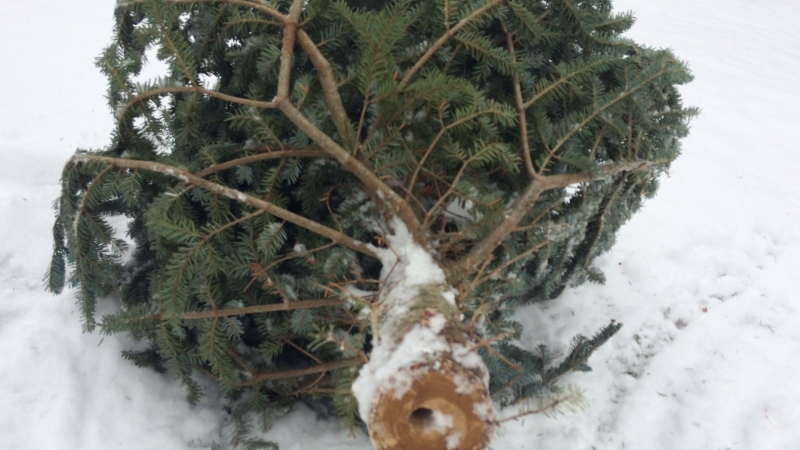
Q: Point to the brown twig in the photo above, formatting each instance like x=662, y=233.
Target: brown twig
x=287, y=51
x=330, y=88
x=487, y=345
x=234, y=194
x=297, y=373
x=300, y=153
x=193, y=90
x=523, y=124
x=257, y=309
x=241, y=361
x=502, y=267
x=303, y=351
x=291, y=256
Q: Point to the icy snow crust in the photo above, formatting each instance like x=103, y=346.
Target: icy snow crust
x=704, y=277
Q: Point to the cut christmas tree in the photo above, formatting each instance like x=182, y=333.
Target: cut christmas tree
x=343, y=203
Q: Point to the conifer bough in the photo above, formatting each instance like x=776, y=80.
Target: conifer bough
x=344, y=202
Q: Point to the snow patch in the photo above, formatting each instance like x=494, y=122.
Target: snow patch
x=407, y=265
x=484, y=410
x=570, y=191
x=453, y=440
x=462, y=211
x=440, y=422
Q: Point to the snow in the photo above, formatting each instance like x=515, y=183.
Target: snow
x=405, y=260
x=453, y=439
x=704, y=278
x=461, y=211
x=440, y=422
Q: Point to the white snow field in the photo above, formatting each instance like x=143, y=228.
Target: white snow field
x=706, y=278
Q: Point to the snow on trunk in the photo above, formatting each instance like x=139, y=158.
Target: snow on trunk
x=425, y=385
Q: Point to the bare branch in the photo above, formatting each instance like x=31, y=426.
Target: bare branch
x=391, y=202
x=193, y=90
x=523, y=124
x=502, y=267
x=481, y=343
x=233, y=99
x=237, y=195
x=483, y=249
x=604, y=171
x=299, y=153
x=330, y=87
x=257, y=309
x=287, y=50
x=297, y=373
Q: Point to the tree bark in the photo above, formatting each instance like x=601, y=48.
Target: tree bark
x=425, y=386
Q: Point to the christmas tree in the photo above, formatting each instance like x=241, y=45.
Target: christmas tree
x=344, y=202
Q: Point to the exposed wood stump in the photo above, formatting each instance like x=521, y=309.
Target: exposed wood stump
x=444, y=409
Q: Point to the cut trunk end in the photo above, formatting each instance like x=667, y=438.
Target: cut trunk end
x=447, y=407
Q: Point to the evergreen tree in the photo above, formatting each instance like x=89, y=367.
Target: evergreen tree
x=321, y=193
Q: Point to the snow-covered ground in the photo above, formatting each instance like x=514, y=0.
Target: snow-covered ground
x=706, y=278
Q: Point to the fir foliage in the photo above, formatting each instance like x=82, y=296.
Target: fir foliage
x=466, y=112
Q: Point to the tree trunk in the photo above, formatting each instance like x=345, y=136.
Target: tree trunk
x=425, y=386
